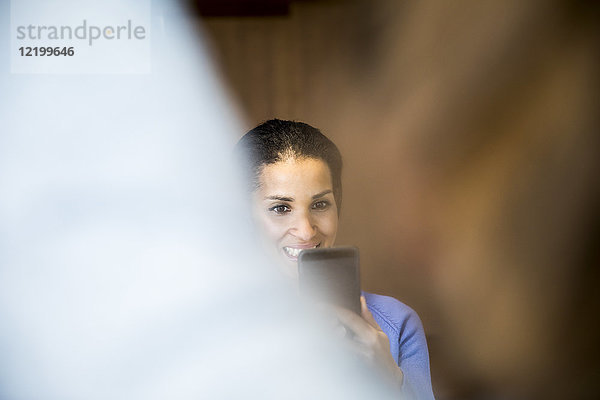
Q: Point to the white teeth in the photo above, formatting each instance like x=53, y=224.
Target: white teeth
x=293, y=252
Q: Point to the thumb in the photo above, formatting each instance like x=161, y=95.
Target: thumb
x=366, y=314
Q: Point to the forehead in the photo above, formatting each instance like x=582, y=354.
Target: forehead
x=295, y=175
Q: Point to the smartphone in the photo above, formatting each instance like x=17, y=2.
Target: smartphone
x=331, y=275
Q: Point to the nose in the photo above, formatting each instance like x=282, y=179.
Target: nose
x=304, y=228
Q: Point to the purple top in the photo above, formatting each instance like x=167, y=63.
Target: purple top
x=408, y=346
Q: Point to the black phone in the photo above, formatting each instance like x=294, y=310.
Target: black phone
x=331, y=275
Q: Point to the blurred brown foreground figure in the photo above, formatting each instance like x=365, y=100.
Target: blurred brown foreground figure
x=492, y=111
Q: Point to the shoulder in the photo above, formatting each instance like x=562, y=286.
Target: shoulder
x=396, y=314
x=388, y=304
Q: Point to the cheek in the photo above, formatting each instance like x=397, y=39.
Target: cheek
x=328, y=225
x=273, y=228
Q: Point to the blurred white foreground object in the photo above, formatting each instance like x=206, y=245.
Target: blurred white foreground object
x=126, y=267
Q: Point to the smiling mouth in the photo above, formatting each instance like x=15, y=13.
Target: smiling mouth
x=292, y=252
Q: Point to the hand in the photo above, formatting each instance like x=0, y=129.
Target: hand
x=369, y=340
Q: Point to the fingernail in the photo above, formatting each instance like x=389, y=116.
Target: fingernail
x=341, y=330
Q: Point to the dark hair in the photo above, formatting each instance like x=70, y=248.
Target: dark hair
x=278, y=140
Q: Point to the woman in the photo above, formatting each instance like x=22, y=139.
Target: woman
x=297, y=197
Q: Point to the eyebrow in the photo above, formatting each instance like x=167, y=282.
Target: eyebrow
x=280, y=198
x=291, y=199
x=323, y=193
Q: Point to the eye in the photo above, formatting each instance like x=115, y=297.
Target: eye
x=321, y=205
x=280, y=209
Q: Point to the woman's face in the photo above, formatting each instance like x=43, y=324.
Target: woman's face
x=295, y=206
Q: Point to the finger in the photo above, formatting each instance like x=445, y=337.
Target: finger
x=339, y=319
x=356, y=324
x=366, y=314
x=359, y=349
